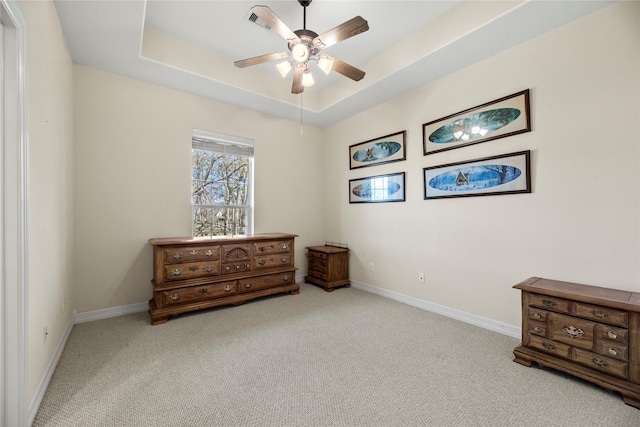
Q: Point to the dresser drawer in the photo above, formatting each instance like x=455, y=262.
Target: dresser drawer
x=236, y=267
x=199, y=293
x=609, y=333
x=537, y=314
x=549, y=346
x=537, y=328
x=613, y=350
x=571, y=330
x=272, y=247
x=602, y=314
x=262, y=282
x=191, y=254
x=601, y=363
x=191, y=270
x=550, y=303
x=271, y=261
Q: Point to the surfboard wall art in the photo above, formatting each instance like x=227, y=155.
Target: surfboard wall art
x=380, y=188
x=386, y=149
x=504, y=174
x=496, y=119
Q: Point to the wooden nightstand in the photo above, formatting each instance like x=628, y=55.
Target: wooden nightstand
x=328, y=267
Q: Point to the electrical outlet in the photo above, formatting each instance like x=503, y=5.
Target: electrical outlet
x=45, y=333
x=371, y=269
x=420, y=277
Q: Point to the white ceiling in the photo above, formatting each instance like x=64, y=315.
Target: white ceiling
x=191, y=45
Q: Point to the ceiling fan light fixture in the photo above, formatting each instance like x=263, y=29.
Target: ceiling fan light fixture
x=300, y=52
x=284, y=68
x=325, y=64
x=307, y=78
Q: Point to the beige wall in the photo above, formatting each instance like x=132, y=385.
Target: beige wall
x=133, y=163
x=581, y=223
x=50, y=184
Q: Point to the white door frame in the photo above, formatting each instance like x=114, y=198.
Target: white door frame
x=13, y=218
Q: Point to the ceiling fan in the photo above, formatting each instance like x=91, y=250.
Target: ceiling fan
x=304, y=46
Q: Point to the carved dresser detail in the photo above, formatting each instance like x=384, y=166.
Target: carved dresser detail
x=328, y=267
x=587, y=331
x=194, y=273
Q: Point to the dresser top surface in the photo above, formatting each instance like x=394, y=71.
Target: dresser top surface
x=219, y=239
x=585, y=293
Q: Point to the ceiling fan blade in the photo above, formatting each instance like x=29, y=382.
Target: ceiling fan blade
x=260, y=59
x=347, y=70
x=351, y=28
x=272, y=20
x=297, y=87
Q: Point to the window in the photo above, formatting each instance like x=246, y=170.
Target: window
x=221, y=184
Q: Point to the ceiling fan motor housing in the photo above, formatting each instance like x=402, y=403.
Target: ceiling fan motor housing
x=306, y=38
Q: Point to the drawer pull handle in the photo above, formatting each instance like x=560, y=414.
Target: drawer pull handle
x=176, y=272
x=247, y=285
x=600, y=314
x=193, y=252
x=209, y=253
x=193, y=268
x=537, y=315
x=177, y=255
x=286, y=278
x=572, y=331
x=175, y=297
x=204, y=290
x=548, y=346
x=599, y=362
x=285, y=246
x=613, y=351
x=209, y=268
x=227, y=288
x=537, y=330
x=283, y=259
x=238, y=267
x=612, y=335
x=262, y=262
x=548, y=303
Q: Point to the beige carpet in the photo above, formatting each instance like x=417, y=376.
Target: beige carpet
x=346, y=358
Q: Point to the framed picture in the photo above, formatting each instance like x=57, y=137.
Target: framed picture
x=496, y=119
x=504, y=174
x=386, y=149
x=381, y=188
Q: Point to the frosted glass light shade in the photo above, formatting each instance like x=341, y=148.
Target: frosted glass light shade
x=284, y=68
x=307, y=78
x=325, y=64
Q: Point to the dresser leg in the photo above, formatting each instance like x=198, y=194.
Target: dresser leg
x=631, y=400
x=521, y=360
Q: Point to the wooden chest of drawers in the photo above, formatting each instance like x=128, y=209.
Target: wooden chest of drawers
x=195, y=273
x=328, y=267
x=587, y=331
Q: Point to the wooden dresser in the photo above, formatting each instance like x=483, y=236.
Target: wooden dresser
x=328, y=267
x=195, y=273
x=590, y=332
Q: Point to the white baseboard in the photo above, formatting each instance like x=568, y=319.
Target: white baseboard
x=48, y=373
x=105, y=313
x=483, y=322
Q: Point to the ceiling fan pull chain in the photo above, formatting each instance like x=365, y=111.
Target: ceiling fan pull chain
x=301, y=129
